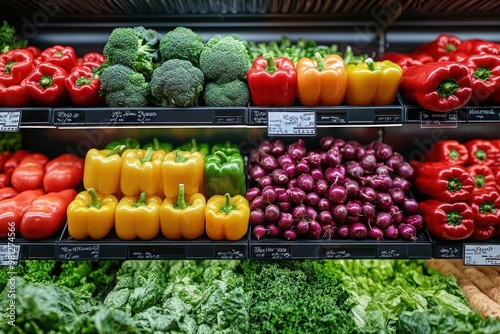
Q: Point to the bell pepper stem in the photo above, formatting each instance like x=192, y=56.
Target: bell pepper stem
x=481, y=155
x=447, y=88
x=194, y=145
x=45, y=81
x=181, y=202
x=147, y=157
x=156, y=143
x=454, y=154
x=480, y=181
x=487, y=207
x=141, y=201
x=118, y=149
x=454, y=184
x=8, y=67
x=222, y=156
x=227, y=206
x=179, y=157
x=450, y=47
x=271, y=68
x=94, y=200
x=82, y=81
x=370, y=63
x=482, y=73
x=58, y=54
x=454, y=218
x=320, y=64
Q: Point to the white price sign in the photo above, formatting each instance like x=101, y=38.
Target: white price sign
x=291, y=123
x=9, y=121
x=9, y=254
x=481, y=255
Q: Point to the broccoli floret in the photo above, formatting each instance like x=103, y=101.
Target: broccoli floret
x=224, y=59
x=182, y=43
x=177, y=82
x=230, y=94
x=132, y=47
x=123, y=87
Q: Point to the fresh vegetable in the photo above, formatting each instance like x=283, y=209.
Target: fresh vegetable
x=485, y=204
x=485, y=72
x=182, y=167
x=91, y=214
x=46, y=85
x=194, y=146
x=46, y=214
x=138, y=216
x=321, y=81
x=128, y=142
x=12, y=211
x=448, y=221
x=437, y=86
x=482, y=152
x=441, y=46
x=272, y=82
x=228, y=94
x=181, y=218
x=141, y=172
x=483, y=176
x=450, y=151
x=227, y=147
x=123, y=87
x=443, y=181
x=182, y=43
x=15, y=95
x=406, y=60
x=177, y=82
x=59, y=55
x=224, y=174
x=15, y=66
x=157, y=145
x=29, y=174
x=102, y=170
x=83, y=87
x=8, y=38
x=382, y=78
x=477, y=46
x=226, y=217
x=63, y=172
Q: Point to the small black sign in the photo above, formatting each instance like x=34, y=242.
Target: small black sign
x=449, y=252
x=258, y=117
x=133, y=116
x=230, y=252
x=78, y=252
x=331, y=118
x=486, y=114
x=331, y=253
x=156, y=253
x=429, y=119
x=272, y=252
x=69, y=116
x=391, y=251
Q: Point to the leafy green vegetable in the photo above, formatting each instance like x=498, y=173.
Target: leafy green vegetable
x=8, y=38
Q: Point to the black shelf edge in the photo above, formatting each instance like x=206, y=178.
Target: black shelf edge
x=466, y=114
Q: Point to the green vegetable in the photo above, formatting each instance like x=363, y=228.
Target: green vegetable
x=224, y=59
x=224, y=174
x=194, y=146
x=136, y=48
x=177, y=83
x=10, y=141
x=123, y=87
x=182, y=43
x=157, y=145
x=230, y=94
x=128, y=142
x=8, y=38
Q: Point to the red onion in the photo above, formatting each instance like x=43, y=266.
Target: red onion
x=285, y=221
x=414, y=220
x=383, y=151
x=398, y=196
x=321, y=187
x=277, y=148
x=314, y=159
x=265, y=181
x=269, y=194
x=282, y=194
x=285, y=159
x=284, y=206
x=324, y=204
x=272, y=212
x=333, y=157
x=337, y=194
x=297, y=195
x=305, y=182
x=268, y=162
x=302, y=227
x=265, y=147
x=297, y=150
x=367, y=194
x=352, y=188
x=257, y=217
x=290, y=234
x=311, y=212
x=383, y=200
x=339, y=212
x=279, y=176
x=383, y=220
x=326, y=143
x=410, y=206
x=405, y=170
x=317, y=174
x=391, y=232
x=334, y=175
x=252, y=193
x=396, y=213
x=348, y=151
x=299, y=211
x=314, y=231
x=407, y=232
x=273, y=230
x=401, y=183
x=358, y=231
x=375, y=233
x=325, y=218
x=312, y=199
x=303, y=167
x=257, y=203
x=259, y=231
x=368, y=210
x=257, y=172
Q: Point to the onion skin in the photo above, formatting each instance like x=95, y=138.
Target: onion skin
x=252, y=193
x=259, y=231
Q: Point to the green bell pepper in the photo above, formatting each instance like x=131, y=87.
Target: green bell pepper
x=226, y=147
x=224, y=174
x=128, y=142
x=193, y=146
x=157, y=145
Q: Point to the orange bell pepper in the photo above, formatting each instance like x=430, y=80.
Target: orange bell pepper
x=321, y=81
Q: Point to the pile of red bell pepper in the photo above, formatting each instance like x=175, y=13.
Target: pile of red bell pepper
x=448, y=73
x=52, y=77
x=461, y=186
x=35, y=192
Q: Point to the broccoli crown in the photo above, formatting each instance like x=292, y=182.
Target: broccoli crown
x=123, y=87
x=182, y=43
x=224, y=59
x=177, y=82
x=131, y=47
x=230, y=94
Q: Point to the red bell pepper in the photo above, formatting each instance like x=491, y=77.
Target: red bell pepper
x=447, y=221
x=406, y=60
x=439, y=47
x=46, y=85
x=94, y=57
x=4, y=156
x=29, y=174
x=62, y=56
x=14, y=160
x=437, y=86
x=450, y=151
x=482, y=152
x=35, y=51
x=478, y=46
x=46, y=214
x=443, y=181
x=483, y=176
x=5, y=179
x=272, y=82
x=15, y=96
x=63, y=172
x=457, y=56
x=15, y=66
x=7, y=192
x=496, y=173
x=485, y=72
x=83, y=87
x=485, y=204
x=12, y=210
x=483, y=232
x=91, y=65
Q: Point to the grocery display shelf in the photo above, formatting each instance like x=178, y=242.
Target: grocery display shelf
x=278, y=248
x=22, y=248
x=466, y=114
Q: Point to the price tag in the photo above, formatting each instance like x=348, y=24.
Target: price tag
x=272, y=252
x=430, y=120
x=10, y=121
x=230, y=252
x=229, y=120
x=78, y=252
x=481, y=255
x=258, y=116
x=387, y=119
x=329, y=253
x=331, y=118
x=448, y=252
x=157, y=253
x=67, y=116
x=9, y=254
x=296, y=123
x=478, y=115
x=391, y=252
x=133, y=116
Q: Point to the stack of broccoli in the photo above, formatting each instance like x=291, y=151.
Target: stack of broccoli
x=142, y=68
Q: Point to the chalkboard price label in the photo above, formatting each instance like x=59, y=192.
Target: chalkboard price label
x=78, y=252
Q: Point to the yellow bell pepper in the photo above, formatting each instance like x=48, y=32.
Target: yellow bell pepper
x=138, y=216
x=102, y=170
x=182, y=167
x=321, y=81
x=372, y=83
x=91, y=214
x=183, y=219
x=141, y=172
x=227, y=217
